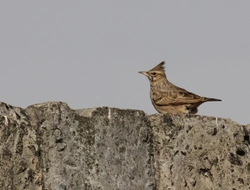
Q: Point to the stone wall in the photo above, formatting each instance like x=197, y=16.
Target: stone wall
x=200, y=153
x=50, y=146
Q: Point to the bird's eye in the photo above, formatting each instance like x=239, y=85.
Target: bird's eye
x=153, y=73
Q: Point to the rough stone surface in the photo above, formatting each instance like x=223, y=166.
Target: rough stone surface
x=49, y=146
x=200, y=153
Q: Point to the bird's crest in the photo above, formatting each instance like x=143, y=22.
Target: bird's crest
x=159, y=67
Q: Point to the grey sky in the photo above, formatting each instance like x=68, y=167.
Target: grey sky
x=88, y=53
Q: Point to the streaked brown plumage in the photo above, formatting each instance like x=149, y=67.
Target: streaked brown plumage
x=168, y=98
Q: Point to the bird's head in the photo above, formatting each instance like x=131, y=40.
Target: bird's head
x=156, y=74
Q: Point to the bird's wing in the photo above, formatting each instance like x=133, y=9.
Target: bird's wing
x=176, y=96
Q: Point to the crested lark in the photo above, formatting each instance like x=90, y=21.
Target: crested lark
x=168, y=98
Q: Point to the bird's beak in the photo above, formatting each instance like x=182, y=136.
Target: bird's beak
x=144, y=73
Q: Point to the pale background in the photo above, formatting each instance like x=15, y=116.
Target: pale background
x=88, y=53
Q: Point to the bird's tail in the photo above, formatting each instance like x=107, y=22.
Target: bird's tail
x=212, y=99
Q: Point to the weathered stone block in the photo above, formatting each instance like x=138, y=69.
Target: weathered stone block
x=50, y=146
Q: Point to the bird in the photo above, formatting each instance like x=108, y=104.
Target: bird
x=169, y=98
